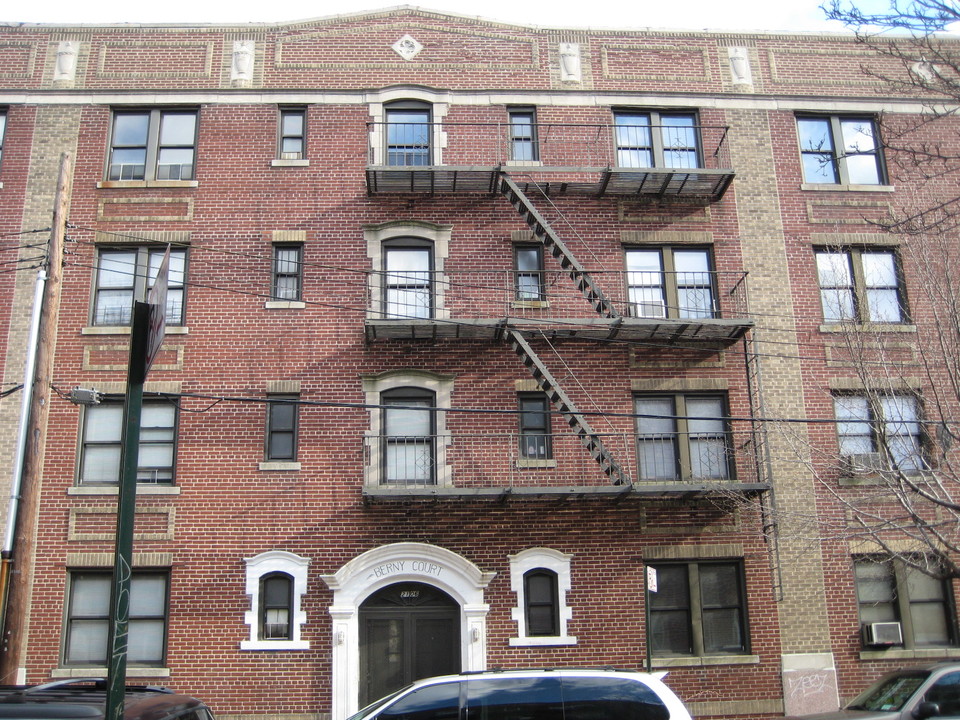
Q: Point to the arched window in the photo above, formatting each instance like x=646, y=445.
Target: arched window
x=408, y=278
x=409, y=436
x=276, y=605
x=540, y=595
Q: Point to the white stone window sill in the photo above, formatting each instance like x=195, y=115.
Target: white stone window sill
x=125, y=330
x=534, y=463
x=915, y=654
x=276, y=465
x=284, y=305
x=142, y=489
x=837, y=187
x=291, y=162
x=705, y=661
x=132, y=671
x=542, y=641
x=275, y=645
x=840, y=327
x=140, y=184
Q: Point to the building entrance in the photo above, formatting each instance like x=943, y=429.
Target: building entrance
x=407, y=631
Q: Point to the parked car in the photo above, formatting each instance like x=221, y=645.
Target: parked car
x=912, y=694
x=562, y=694
x=86, y=698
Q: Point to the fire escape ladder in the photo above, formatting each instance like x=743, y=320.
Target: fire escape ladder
x=562, y=402
x=546, y=234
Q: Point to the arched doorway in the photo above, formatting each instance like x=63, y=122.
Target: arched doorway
x=408, y=631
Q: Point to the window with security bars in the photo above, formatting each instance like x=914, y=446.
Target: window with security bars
x=408, y=134
x=287, y=272
x=125, y=276
x=699, y=609
x=157, y=144
x=667, y=282
x=409, y=441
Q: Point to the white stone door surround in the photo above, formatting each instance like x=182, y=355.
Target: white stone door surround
x=367, y=573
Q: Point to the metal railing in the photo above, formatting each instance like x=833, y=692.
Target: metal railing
x=410, y=295
x=468, y=461
x=549, y=145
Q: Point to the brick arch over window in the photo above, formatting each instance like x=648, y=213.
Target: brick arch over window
x=375, y=569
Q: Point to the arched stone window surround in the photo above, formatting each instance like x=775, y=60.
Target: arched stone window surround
x=393, y=232
x=439, y=107
x=268, y=563
x=365, y=574
x=558, y=563
x=442, y=388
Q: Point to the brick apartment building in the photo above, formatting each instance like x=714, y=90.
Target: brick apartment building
x=469, y=324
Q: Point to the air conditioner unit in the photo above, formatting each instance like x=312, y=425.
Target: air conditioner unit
x=882, y=634
x=862, y=464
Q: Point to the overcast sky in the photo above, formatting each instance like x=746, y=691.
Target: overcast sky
x=688, y=14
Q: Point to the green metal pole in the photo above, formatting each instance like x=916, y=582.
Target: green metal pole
x=646, y=617
x=126, y=507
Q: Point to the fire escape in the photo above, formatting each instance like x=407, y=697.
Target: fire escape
x=611, y=317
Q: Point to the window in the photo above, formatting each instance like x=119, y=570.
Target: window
x=293, y=134
x=408, y=134
x=409, y=436
x=540, y=593
x=879, y=431
x=282, y=428
x=670, y=283
x=88, y=622
x=3, y=127
x=535, y=430
x=287, y=277
x=888, y=590
x=276, y=595
x=523, y=134
x=655, y=139
x=408, y=280
x=101, y=446
x=276, y=581
x=698, y=609
x=683, y=437
x=153, y=145
x=860, y=286
x=540, y=577
x=528, y=261
x=125, y=275
x=840, y=150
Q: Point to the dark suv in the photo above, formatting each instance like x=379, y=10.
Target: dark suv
x=85, y=698
x=562, y=694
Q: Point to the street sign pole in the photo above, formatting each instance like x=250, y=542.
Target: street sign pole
x=126, y=507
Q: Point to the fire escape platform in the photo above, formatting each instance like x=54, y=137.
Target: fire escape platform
x=660, y=330
x=686, y=184
x=639, y=491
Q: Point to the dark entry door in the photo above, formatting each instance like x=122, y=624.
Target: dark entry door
x=407, y=631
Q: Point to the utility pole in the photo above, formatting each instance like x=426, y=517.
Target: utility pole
x=24, y=510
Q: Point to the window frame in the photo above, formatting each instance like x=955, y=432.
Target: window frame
x=115, y=404
x=543, y=447
x=658, y=148
x=552, y=603
x=279, y=273
x=407, y=398
x=900, y=604
x=419, y=148
x=695, y=609
x=283, y=135
x=152, y=145
x=669, y=283
x=275, y=401
x=867, y=429
x=840, y=161
x=524, y=148
x=140, y=282
x=857, y=288
x=70, y=619
x=266, y=606
x=680, y=421
x=415, y=284
x=524, y=292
